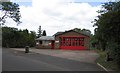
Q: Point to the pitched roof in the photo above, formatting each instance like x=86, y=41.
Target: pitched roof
x=79, y=32
x=57, y=33
x=46, y=38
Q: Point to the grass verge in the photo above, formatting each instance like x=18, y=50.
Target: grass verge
x=110, y=65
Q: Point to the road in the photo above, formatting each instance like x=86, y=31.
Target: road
x=13, y=60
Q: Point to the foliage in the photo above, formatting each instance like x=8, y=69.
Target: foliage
x=107, y=32
x=92, y=42
x=12, y=37
x=39, y=32
x=109, y=65
x=85, y=31
x=44, y=33
x=9, y=10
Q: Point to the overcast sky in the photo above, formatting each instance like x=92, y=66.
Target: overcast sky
x=56, y=15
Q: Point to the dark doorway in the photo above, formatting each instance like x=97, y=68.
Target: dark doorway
x=52, y=44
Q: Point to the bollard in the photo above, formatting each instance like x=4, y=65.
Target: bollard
x=27, y=49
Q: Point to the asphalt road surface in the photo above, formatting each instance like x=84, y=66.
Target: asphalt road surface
x=19, y=61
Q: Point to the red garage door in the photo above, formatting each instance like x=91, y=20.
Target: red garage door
x=72, y=43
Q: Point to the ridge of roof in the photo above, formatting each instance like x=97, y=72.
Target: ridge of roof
x=80, y=32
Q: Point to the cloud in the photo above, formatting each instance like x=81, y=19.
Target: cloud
x=57, y=15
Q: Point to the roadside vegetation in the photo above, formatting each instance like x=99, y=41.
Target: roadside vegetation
x=109, y=65
x=12, y=37
x=107, y=35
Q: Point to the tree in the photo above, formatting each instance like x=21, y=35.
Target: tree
x=44, y=33
x=77, y=29
x=39, y=32
x=17, y=38
x=108, y=32
x=9, y=10
x=32, y=38
x=85, y=31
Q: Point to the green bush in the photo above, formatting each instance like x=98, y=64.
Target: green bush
x=12, y=37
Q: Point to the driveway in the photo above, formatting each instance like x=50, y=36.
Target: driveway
x=87, y=56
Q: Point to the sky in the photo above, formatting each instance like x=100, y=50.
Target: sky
x=56, y=15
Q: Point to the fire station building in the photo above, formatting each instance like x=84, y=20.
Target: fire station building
x=68, y=40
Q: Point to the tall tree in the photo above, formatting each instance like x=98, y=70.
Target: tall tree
x=44, y=33
x=9, y=10
x=39, y=32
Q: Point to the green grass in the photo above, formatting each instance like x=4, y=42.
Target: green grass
x=110, y=65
